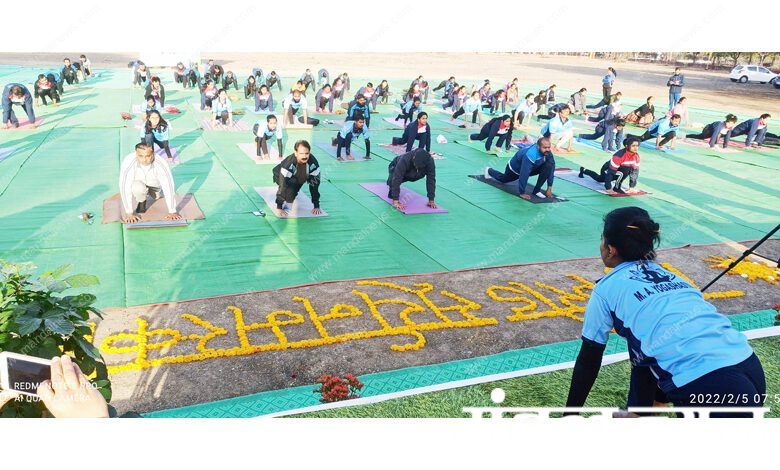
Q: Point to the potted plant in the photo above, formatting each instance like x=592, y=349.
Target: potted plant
x=36, y=321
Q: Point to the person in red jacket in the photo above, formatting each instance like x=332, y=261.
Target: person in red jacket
x=623, y=164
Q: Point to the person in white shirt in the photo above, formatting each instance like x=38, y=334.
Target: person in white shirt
x=266, y=132
x=294, y=102
x=142, y=175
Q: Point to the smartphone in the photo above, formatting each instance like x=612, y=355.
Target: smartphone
x=22, y=373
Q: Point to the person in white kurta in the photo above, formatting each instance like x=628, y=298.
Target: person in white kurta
x=142, y=175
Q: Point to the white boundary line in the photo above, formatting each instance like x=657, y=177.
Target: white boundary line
x=610, y=359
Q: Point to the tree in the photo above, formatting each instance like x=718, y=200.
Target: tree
x=734, y=56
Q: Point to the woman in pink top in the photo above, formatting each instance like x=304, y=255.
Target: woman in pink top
x=680, y=108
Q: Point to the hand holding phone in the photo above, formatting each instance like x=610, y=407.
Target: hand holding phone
x=22, y=374
x=59, y=383
x=69, y=394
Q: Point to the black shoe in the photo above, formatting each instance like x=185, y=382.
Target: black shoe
x=582, y=170
x=462, y=126
x=619, y=190
x=140, y=208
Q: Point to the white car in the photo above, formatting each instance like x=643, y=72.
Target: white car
x=752, y=73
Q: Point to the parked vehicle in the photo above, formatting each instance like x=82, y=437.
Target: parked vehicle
x=752, y=73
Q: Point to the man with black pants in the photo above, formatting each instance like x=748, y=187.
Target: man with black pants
x=68, y=72
x=411, y=166
x=352, y=130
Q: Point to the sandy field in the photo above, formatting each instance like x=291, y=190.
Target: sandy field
x=637, y=80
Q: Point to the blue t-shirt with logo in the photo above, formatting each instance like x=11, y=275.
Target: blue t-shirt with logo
x=667, y=323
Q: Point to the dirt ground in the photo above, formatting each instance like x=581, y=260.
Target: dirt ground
x=239, y=371
x=637, y=80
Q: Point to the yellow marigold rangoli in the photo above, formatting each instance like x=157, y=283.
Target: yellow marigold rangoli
x=750, y=270
x=390, y=310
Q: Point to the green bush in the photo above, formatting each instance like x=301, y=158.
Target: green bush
x=36, y=321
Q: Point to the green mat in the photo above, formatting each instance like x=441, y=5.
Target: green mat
x=70, y=164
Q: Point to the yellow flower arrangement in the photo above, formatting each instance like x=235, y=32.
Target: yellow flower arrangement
x=745, y=268
x=521, y=313
x=415, y=316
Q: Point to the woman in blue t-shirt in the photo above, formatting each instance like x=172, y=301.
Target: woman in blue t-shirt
x=678, y=343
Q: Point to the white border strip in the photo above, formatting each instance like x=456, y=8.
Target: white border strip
x=610, y=359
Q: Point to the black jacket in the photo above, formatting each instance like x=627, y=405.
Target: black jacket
x=412, y=166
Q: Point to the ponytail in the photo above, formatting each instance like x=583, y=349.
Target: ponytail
x=632, y=232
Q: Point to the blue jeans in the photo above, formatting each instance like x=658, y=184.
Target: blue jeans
x=673, y=98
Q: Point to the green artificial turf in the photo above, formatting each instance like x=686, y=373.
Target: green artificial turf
x=542, y=390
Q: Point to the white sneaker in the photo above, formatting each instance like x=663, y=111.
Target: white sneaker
x=487, y=173
x=540, y=195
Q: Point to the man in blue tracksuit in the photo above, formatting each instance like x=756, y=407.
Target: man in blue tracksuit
x=416, y=130
x=754, y=128
x=409, y=108
x=675, y=83
x=351, y=131
x=358, y=109
x=530, y=160
x=17, y=94
x=272, y=79
x=714, y=130
x=664, y=130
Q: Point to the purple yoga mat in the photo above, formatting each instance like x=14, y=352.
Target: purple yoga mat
x=415, y=203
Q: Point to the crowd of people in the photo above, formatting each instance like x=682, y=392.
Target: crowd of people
x=496, y=113
x=705, y=356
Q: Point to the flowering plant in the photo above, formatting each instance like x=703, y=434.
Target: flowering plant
x=777, y=315
x=334, y=388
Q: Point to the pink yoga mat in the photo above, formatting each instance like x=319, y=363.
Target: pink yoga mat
x=137, y=108
x=392, y=121
x=415, y=203
x=238, y=126
x=24, y=123
x=401, y=149
x=359, y=156
x=741, y=145
x=160, y=153
x=590, y=183
x=706, y=144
